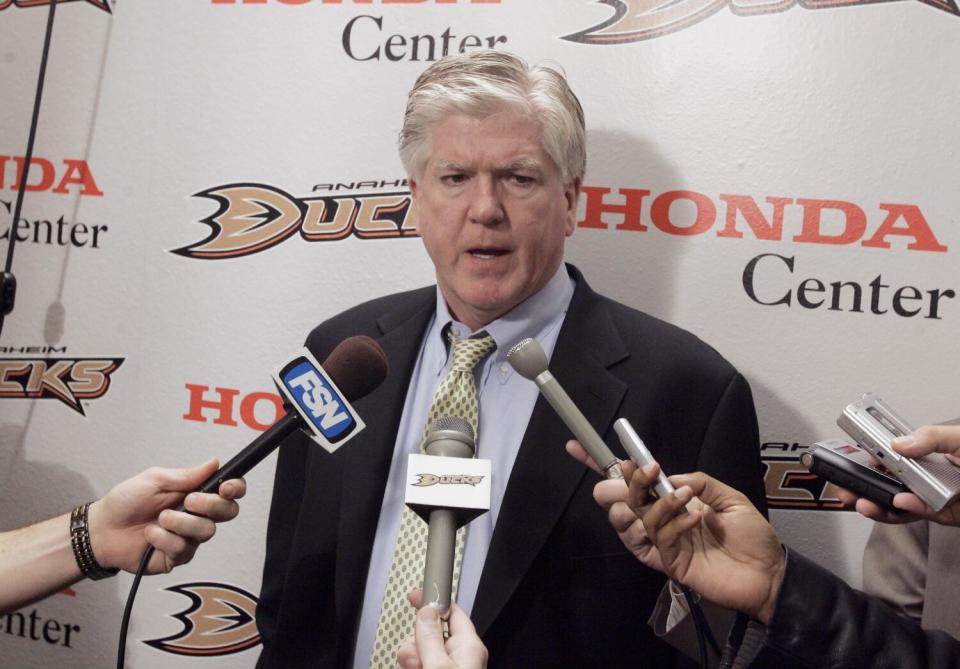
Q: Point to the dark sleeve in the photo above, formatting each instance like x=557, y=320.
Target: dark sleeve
x=288, y=489
x=821, y=622
x=730, y=450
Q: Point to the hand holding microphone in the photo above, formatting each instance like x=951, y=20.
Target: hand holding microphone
x=319, y=403
x=430, y=648
x=356, y=367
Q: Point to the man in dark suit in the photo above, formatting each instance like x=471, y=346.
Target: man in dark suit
x=495, y=151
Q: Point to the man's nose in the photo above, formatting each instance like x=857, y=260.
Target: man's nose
x=486, y=207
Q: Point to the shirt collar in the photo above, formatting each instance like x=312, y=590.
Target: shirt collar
x=528, y=319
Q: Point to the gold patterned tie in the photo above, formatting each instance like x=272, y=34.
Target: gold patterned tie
x=456, y=396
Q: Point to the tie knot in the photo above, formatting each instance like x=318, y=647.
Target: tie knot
x=468, y=352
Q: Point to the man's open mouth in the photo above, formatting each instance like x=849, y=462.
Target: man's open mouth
x=487, y=252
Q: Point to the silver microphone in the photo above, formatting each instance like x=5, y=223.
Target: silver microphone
x=452, y=437
x=529, y=360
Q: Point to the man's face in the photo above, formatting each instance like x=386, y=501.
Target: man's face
x=493, y=212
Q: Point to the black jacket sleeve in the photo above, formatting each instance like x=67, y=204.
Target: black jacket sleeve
x=821, y=622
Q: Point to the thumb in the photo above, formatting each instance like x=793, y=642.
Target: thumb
x=429, y=637
x=186, y=479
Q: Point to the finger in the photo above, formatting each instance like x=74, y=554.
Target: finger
x=214, y=507
x=415, y=597
x=909, y=502
x=667, y=519
x=233, y=489
x=184, y=479
x=929, y=439
x=610, y=491
x=407, y=655
x=711, y=492
x=638, y=495
x=580, y=454
x=875, y=512
x=848, y=498
x=621, y=517
x=464, y=642
x=191, y=527
x=459, y=622
x=172, y=548
x=429, y=637
x=664, y=510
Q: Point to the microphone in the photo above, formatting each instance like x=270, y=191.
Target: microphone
x=448, y=488
x=355, y=368
x=318, y=403
x=529, y=360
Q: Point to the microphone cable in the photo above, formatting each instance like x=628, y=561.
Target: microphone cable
x=8, y=282
x=704, y=634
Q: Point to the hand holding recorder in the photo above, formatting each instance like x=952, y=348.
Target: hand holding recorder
x=711, y=539
x=929, y=439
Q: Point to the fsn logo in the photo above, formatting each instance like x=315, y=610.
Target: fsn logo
x=316, y=396
x=320, y=400
x=325, y=412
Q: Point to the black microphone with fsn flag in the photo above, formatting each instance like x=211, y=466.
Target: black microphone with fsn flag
x=448, y=488
x=318, y=402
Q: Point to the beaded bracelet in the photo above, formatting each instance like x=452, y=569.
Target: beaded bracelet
x=82, y=550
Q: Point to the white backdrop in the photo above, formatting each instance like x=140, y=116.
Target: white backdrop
x=835, y=110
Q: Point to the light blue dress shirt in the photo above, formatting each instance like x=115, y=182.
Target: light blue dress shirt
x=506, y=403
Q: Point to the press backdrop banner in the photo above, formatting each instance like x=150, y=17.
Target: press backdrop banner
x=212, y=178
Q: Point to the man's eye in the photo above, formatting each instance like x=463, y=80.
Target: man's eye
x=453, y=179
x=522, y=179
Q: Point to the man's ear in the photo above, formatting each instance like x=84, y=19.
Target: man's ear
x=571, y=192
x=414, y=186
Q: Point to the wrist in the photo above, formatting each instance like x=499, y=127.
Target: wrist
x=766, y=611
x=86, y=536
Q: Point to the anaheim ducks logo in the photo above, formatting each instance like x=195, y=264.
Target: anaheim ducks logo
x=253, y=217
x=638, y=20
x=99, y=4
x=427, y=480
x=220, y=621
x=69, y=380
x=790, y=485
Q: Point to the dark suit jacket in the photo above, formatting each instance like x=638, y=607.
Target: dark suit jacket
x=558, y=588
x=820, y=622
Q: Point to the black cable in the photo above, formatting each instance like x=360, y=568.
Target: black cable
x=21, y=187
x=125, y=621
x=698, y=624
x=700, y=620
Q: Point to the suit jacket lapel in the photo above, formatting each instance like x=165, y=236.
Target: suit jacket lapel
x=544, y=476
x=366, y=463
